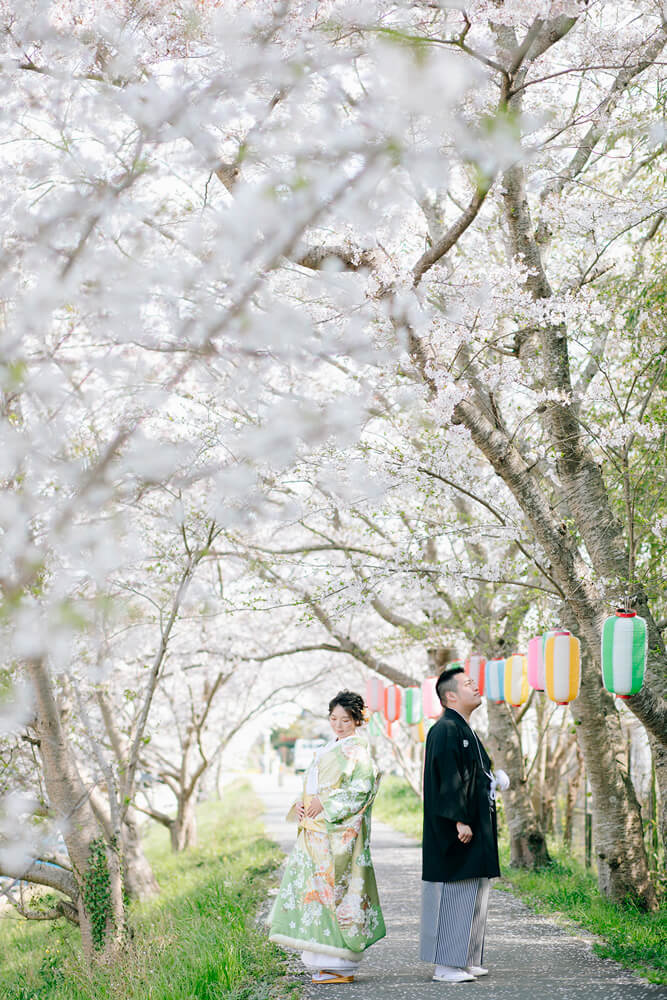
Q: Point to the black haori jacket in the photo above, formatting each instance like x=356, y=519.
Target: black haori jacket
x=456, y=789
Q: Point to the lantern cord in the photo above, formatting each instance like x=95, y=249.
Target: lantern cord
x=489, y=774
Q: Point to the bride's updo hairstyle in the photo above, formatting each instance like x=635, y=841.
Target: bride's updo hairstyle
x=352, y=703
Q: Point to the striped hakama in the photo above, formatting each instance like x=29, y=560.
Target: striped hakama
x=454, y=921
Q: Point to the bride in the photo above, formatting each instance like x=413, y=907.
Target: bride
x=327, y=905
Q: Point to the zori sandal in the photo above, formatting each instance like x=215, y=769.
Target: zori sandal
x=331, y=977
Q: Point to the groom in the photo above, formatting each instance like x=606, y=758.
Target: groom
x=460, y=848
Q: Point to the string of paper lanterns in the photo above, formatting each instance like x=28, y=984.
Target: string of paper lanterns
x=552, y=664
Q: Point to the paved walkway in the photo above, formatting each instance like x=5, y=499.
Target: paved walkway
x=529, y=957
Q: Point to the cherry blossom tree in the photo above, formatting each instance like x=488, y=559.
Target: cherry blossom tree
x=233, y=233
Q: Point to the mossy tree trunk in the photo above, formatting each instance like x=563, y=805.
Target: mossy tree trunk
x=96, y=862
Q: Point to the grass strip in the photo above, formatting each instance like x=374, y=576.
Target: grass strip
x=197, y=939
x=399, y=806
x=566, y=888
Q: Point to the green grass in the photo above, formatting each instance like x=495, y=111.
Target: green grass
x=197, y=939
x=637, y=940
x=397, y=805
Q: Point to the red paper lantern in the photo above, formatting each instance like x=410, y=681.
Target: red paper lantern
x=392, y=706
x=474, y=667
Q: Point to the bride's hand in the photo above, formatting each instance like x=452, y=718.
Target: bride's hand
x=315, y=808
x=300, y=811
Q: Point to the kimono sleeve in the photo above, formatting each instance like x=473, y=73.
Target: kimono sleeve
x=353, y=788
x=451, y=784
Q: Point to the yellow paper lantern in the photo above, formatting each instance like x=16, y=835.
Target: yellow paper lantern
x=562, y=667
x=516, y=680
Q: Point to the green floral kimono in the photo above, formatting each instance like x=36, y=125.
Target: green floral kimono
x=328, y=900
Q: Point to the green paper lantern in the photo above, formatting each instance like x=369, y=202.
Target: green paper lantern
x=624, y=653
x=412, y=706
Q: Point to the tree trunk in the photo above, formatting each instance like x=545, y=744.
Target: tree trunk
x=528, y=847
x=140, y=881
x=571, y=796
x=619, y=842
x=95, y=861
x=544, y=792
x=183, y=829
x=623, y=868
x=659, y=752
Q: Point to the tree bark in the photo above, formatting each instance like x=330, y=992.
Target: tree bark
x=139, y=878
x=183, y=829
x=619, y=841
x=623, y=867
x=528, y=846
x=581, y=481
x=571, y=796
x=95, y=862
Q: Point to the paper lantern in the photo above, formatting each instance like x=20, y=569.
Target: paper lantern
x=376, y=725
x=412, y=706
x=392, y=706
x=624, y=652
x=430, y=701
x=421, y=732
x=535, y=663
x=535, y=660
x=495, y=680
x=516, y=680
x=562, y=667
x=474, y=667
x=374, y=694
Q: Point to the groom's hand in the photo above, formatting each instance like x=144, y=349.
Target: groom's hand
x=464, y=833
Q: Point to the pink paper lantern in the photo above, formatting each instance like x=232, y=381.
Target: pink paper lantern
x=536, y=663
x=392, y=706
x=430, y=700
x=374, y=695
x=474, y=667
